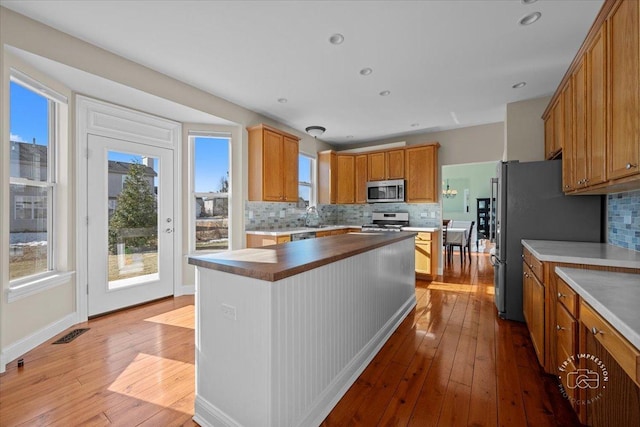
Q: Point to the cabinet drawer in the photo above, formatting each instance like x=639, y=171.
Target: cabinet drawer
x=526, y=256
x=568, y=297
x=323, y=233
x=536, y=267
x=565, y=332
x=620, y=349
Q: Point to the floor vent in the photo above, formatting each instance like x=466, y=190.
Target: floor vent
x=71, y=336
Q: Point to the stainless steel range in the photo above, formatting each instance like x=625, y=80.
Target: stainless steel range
x=387, y=221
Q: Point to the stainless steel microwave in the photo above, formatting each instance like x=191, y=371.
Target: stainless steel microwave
x=385, y=191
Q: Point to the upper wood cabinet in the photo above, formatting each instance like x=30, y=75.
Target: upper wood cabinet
x=273, y=165
x=386, y=165
x=601, y=137
x=361, y=178
x=327, y=177
x=421, y=164
x=623, y=33
x=346, y=179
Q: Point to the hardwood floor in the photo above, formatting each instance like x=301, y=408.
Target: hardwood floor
x=451, y=362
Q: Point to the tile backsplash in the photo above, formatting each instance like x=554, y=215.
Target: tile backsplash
x=272, y=216
x=623, y=220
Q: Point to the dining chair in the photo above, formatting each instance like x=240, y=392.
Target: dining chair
x=445, y=225
x=463, y=245
x=467, y=247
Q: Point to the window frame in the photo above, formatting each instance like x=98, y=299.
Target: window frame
x=193, y=195
x=312, y=174
x=27, y=285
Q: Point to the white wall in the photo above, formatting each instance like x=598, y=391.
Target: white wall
x=524, y=130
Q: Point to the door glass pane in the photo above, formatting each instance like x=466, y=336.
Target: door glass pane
x=133, y=219
x=29, y=236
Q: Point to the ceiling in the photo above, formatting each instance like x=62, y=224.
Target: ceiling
x=447, y=64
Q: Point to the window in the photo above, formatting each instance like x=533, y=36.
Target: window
x=210, y=184
x=35, y=117
x=306, y=178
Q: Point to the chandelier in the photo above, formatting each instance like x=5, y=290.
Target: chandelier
x=448, y=193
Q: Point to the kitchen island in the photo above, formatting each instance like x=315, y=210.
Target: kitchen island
x=283, y=331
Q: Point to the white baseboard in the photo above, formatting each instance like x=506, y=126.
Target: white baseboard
x=207, y=415
x=185, y=290
x=26, y=344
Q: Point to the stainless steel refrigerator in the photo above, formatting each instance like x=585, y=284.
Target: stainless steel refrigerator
x=530, y=205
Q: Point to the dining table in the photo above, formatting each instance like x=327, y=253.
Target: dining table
x=457, y=236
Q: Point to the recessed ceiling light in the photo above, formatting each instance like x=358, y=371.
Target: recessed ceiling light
x=283, y=100
x=528, y=1
x=366, y=71
x=530, y=18
x=415, y=125
x=349, y=136
x=519, y=85
x=385, y=93
x=337, y=38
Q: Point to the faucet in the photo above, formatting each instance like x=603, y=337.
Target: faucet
x=312, y=218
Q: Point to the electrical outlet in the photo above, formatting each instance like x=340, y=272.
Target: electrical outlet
x=283, y=213
x=424, y=215
x=627, y=219
x=433, y=214
x=250, y=214
x=272, y=214
x=228, y=311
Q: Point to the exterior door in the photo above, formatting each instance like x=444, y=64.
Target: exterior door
x=130, y=223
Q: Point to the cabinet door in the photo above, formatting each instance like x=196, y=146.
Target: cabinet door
x=424, y=263
x=567, y=140
x=395, y=164
x=326, y=177
x=558, y=126
x=548, y=135
x=526, y=294
x=289, y=171
x=537, y=317
x=597, y=109
x=346, y=181
x=272, y=157
x=361, y=178
x=580, y=117
x=421, y=172
x=376, y=166
x=624, y=87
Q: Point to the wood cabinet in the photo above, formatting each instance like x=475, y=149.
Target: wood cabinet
x=385, y=165
x=533, y=298
x=346, y=179
x=361, y=178
x=421, y=170
x=426, y=255
x=604, y=154
x=273, y=165
x=623, y=31
x=327, y=177
x=256, y=240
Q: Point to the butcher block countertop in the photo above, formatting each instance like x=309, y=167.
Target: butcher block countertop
x=276, y=262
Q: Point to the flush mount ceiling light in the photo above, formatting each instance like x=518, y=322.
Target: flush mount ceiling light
x=315, y=131
x=282, y=100
x=415, y=125
x=528, y=1
x=519, y=85
x=385, y=93
x=530, y=18
x=366, y=71
x=337, y=38
x=349, y=136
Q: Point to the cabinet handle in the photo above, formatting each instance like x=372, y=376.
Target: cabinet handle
x=560, y=328
x=526, y=274
x=595, y=331
x=586, y=180
x=561, y=295
x=631, y=165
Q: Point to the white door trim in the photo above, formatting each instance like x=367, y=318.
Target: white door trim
x=104, y=119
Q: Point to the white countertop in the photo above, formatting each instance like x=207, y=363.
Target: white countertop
x=583, y=253
x=615, y=296
x=289, y=231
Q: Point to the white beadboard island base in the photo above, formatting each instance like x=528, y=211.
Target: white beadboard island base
x=283, y=353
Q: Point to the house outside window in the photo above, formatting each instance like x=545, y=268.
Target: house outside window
x=306, y=178
x=32, y=177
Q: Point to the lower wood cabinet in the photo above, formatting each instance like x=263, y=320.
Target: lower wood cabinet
x=426, y=255
x=257, y=240
x=533, y=303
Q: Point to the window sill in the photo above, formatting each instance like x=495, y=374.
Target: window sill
x=22, y=288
